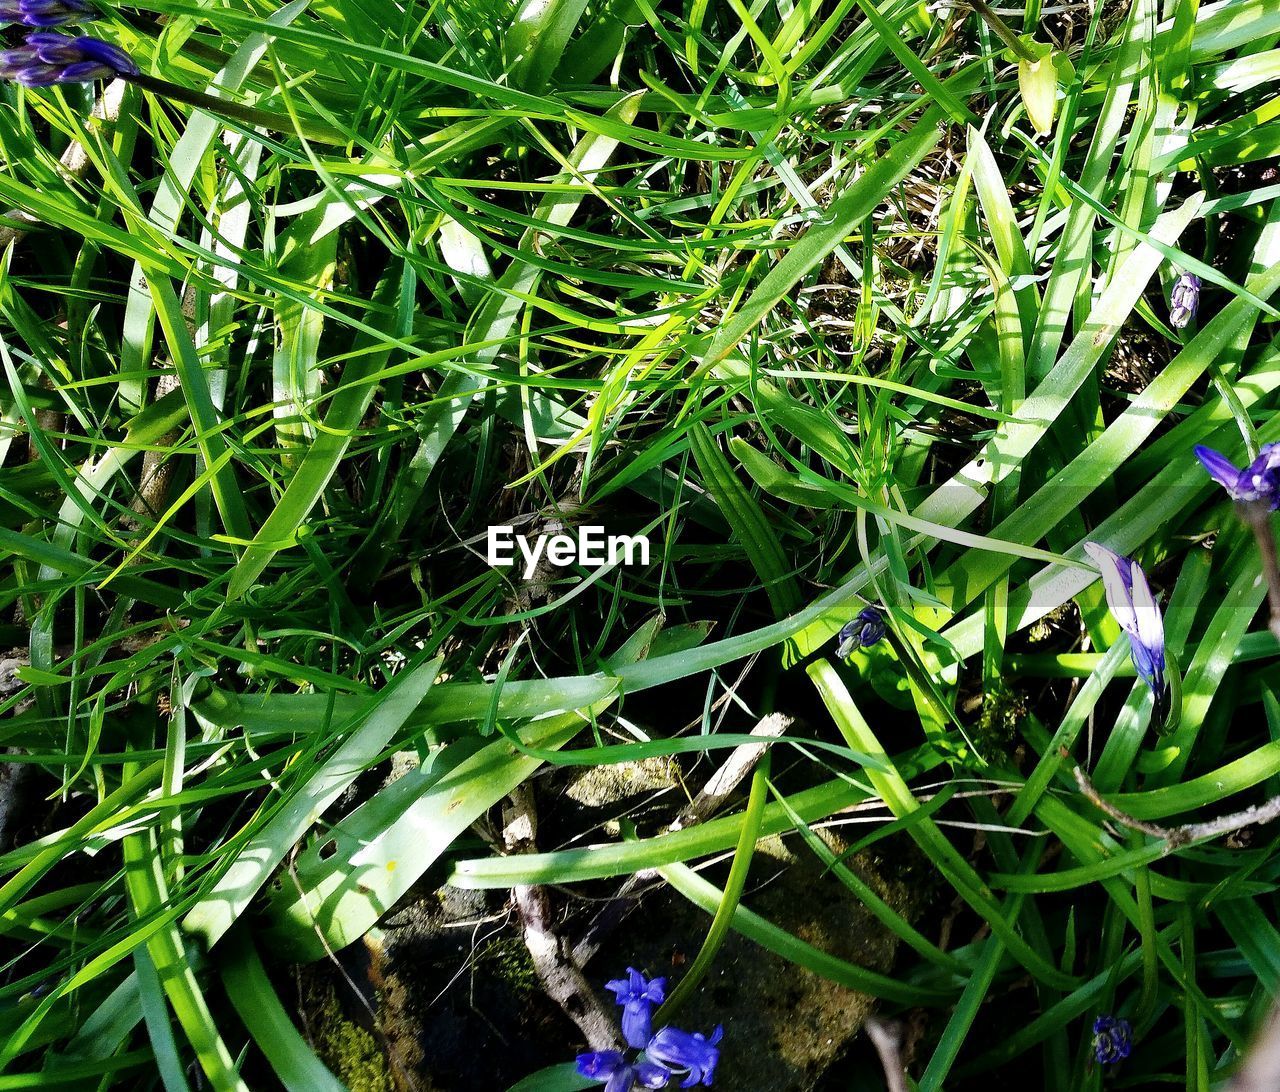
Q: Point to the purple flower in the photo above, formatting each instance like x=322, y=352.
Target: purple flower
x=1134, y=607
x=689, y=1053
x=1183, y=300
x=637, y=996
x=1112, y=1039
x=862, y=632
x=600, y=1064
x=620, y=1075
x=668, y=1053
x=49, y=57
x=45, y=13
x=1259, y=481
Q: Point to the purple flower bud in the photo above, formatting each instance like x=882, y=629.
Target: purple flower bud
x=599, y=1063
x=45, y=13
x=50, y=47
x=862, y=632
x=620, y=1075
x=49, y=57
x=649, y=1075
x=1112, y=1039
x=1257, y=482
x=1183, y=300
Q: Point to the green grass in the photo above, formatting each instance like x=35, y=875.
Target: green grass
x=796, y=290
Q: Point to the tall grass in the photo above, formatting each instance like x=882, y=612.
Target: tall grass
x=794, y=289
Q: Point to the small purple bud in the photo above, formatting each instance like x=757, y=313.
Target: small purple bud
x=862, y=632
x=112, y=56
x=45, y=13
x=1112, y=1039
x=1184, y=300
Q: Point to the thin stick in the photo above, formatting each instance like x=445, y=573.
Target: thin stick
x=1258, y=516
x=741, y=761
x=1184, y=835
x=559, y=974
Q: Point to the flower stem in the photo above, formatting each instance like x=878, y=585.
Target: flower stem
x=249, y=115
x=1003, y=30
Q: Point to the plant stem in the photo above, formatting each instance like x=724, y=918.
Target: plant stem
x=1003, y=30
x=249, y=115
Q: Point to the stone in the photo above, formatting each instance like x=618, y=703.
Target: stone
x=600, y=786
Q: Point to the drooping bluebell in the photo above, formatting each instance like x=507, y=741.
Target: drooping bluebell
x=1135, y=609
x=1112, y=1039
x=620, y=1075
x=688, y=1054
x=48, y=57
x=1257, y=483
x=1256, y=491
x=861, y=632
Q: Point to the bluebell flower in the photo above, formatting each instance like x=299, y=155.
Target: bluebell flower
x=637, y=995
x=1257, y=482
x=1112, y=1039
x=45, y=13
x=864, y=631
x=1135, y=609
x=620, y=1075
x=690, y=1054
x=49, y=57
x=667, y=1054
x=1184, y=300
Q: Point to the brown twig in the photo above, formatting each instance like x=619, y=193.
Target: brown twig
x=1257, y=515
x=559, y=974
x=741, y=761
x=1184, y=835
x=158, y=468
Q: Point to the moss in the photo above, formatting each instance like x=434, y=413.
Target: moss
x=351, y=1052
x=508, y=960
x=1002, y=708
